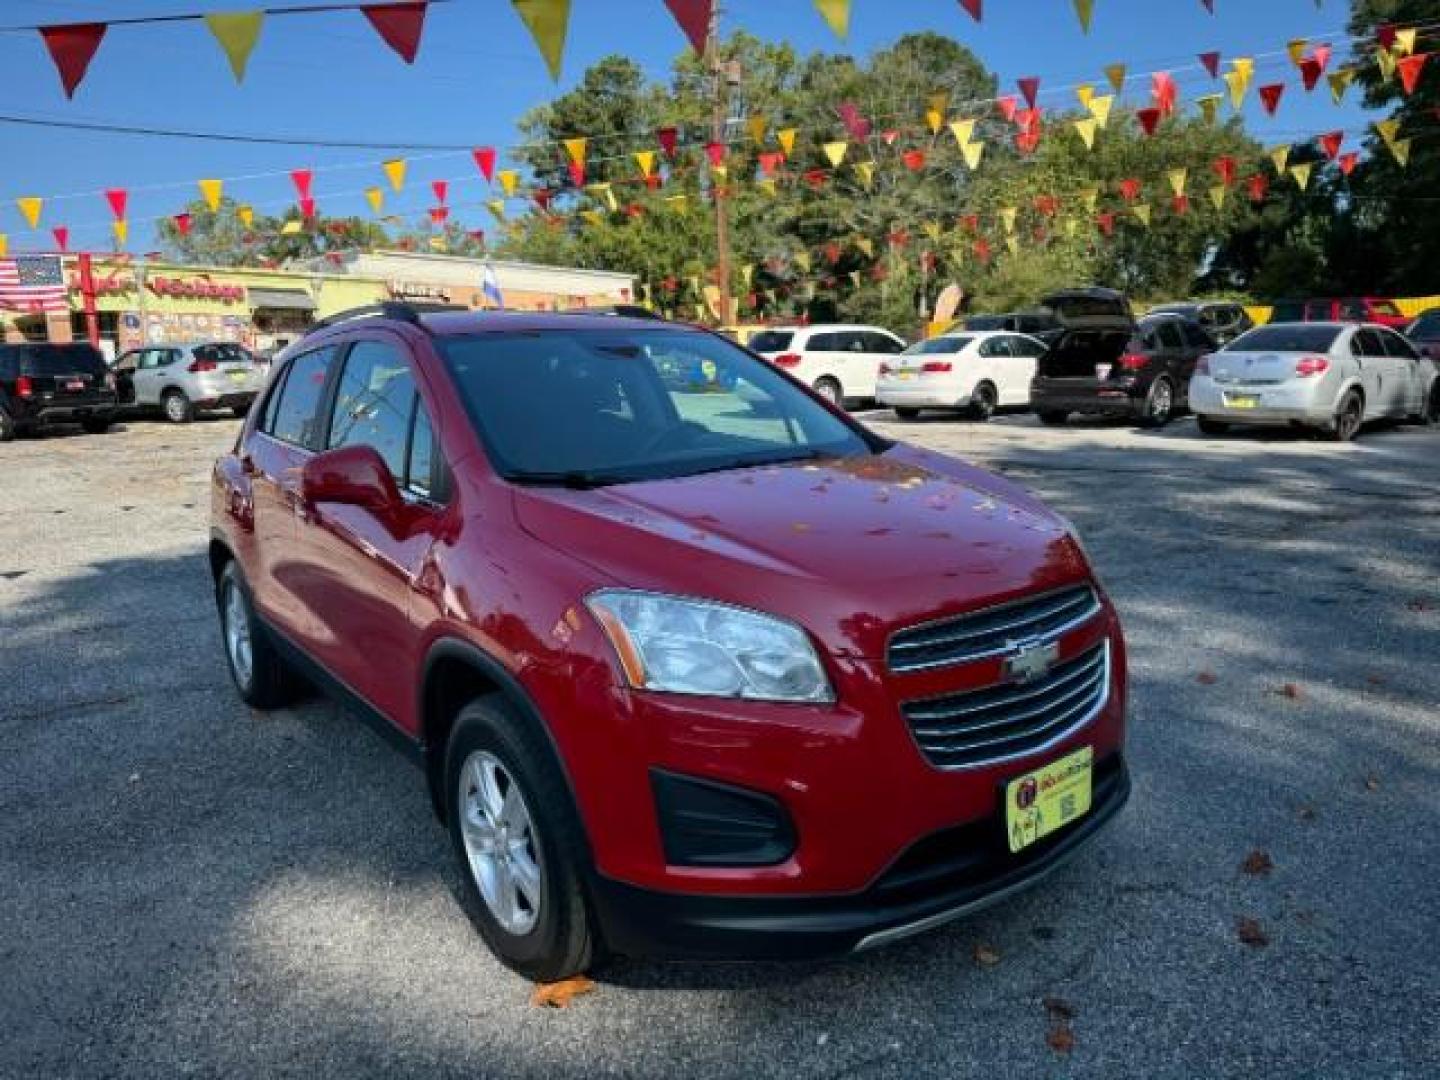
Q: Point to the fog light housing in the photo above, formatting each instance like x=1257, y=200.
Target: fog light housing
x=706, y=823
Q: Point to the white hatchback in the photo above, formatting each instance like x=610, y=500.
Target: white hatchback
x=841, y=363
x=975, y=372
x=1327, y=375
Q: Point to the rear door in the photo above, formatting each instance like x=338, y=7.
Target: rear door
x=1197, y=344
x=1375, y=379
x=151, y=370
x=822, y=357
x=1169, y=358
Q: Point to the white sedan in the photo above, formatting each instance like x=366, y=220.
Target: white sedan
x=974, y=372
x=1330, y=376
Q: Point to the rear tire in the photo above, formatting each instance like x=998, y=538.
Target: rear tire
x=830, y=390
x=984, y=401
x=1211, y=427
x=1159, y=404
x=1053, y=417
x=178, y=408
x=1348, y=418
x=7, y=426
x=523, y=856
x=262, y=678
x=906, y=413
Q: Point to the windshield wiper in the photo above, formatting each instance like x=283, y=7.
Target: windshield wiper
x=576, y=479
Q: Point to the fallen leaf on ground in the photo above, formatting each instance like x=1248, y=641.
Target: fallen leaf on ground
x=1060, y=1038
x=986, y=955
x=1207, y=678
x=1257, y=863
x=1249, y=932
x=1372, y=783
x=1289, y=690
x=558, y=995
x=1059, y=1008
x=1306, y=813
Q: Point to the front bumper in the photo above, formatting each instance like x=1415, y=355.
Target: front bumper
x=943, y=877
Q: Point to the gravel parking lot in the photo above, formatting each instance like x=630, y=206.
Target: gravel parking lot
x=191, y=888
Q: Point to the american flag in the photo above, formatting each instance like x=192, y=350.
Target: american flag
x=32, y=283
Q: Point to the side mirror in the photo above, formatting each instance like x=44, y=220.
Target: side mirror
x=351, y=475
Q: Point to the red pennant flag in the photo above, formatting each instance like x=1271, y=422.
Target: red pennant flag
x=62, y=237
x=1310, y=72
x=715, y=151
x=914, y=160
x=1330, y=143
x=182, y=224
x=982, y=249
x=815, y=178
x=441, y=188
x=400, y=25
x=1027, y=139
x=1106, y=222
x=577, y=173
x=485, y=162
x=1047, y=204
x=1030, y=87
x=899, y=238
x=1321, y=53
x=1270, y=96
x=1163, y=91
x=1409, y=69
x=855, y=124
x=1258, y=186
x=668, y=137
x=1130, y=190
x=1211, y=60
x=1386, y=35
x=542, y=197
x=1180, y=204
x=832, y=253
x=890, y=135
x=1349, y=161
x=478, y=235
x=973, y=7
x=653, y=181
x=301, y=178
x=1225, y=168
x=1007, y=106
x=438, y=214
x=694, y=18
x=72, y=47
x=770, y=161
x=307, y=209
x=634, y=210
x=1149, y=119
x=971, y=223
x=117, y=198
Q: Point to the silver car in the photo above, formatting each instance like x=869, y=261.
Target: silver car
x=181, y=380
x=1331, y=376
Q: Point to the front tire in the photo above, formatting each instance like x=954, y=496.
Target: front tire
x=1348, y=418
x=262, y=678
x=830, y=390
x=519, y=842
x=984, y=401
x=1159, y=404
x=177, y=407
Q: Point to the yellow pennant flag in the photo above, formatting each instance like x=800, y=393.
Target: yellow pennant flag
x=291, y=228
x=1340, y=82
x=496, y=207
x=1401, y=149
x=1237, y=84
x=766, y=186
x=4, y=245
x=802, y=260
x=1405, y=41
x=932, y=230
x=677, y=202
x=237, y=32
x=1142, y=213
x=508, y=179
x=836, y=14
x=1100, y=107
x=1084, y=92
x=376, y=198
x=1090, y=197
x=1301, y=173
x=1245, y=65
x=210, y=191
x=121, y=229
x=1116, y=74
x=786, y=138
x=1086, y=130
x=866, y=171
x=30, y=207
x=1209, y=107
x=934, y=118
x=1084, y=9
x=1296, y=48
x=1386, y=59
x=756, y=125
x=646, y=160
x=963, y=130
x=395, y=172
x=747, y=274
x=720, y=172
x=865, y=244
x=1177, y=178
x=547, y=21
x=246, y=214
x=1071, y=226
x=835, y=152
x=575, y=150
x=939, y=101
x=972, y=153
x=604, y=191
x=1388, y=129
x=1007, y=215
x=1280, y=156
x=1218, y=194
x=1013, y=243
x=594, y=217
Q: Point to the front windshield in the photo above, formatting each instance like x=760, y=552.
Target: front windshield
x=583, y=407
x=937, y=345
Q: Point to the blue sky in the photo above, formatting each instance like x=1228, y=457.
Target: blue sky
x=330, y=76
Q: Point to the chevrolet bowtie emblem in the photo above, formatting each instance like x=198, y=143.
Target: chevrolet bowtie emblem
x=1031, y=660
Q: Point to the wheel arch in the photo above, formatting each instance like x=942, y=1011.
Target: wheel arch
x=219, y=554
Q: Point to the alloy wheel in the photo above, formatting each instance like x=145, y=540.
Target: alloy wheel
x=174, y=408
x=237, y=636
x=1348, y=422
x=500, y=842
x=1161, y=401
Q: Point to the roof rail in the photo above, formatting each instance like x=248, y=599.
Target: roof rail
x=629, y=311
x=399, y=310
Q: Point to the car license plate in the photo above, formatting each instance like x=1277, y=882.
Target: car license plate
x=1242, y=401
x=1049, y=798
x=75, y=384
x=1102, y=371
x=904, y=374
x=239, y=376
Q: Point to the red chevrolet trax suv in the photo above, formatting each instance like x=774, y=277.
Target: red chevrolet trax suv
x=693, y=667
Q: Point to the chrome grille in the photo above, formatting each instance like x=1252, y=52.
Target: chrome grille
x=998, y=722
x=992, y=632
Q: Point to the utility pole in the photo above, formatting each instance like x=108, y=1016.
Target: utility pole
x=719, y=121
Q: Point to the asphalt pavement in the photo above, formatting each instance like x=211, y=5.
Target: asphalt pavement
x=191, y=888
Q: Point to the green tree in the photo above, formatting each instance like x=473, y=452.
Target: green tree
x=220, y=238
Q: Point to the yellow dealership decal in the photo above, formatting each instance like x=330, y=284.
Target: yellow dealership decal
x=1047, y=799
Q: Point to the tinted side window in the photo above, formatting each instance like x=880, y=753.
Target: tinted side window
x=1366, y=343
x=1023, y=346
x=272, y=399
x=373, y=404
x=1196, y=337
x=823, y=343
x=296, y=420
x=880, y=343
x=1395, y=345
x=1169, y=334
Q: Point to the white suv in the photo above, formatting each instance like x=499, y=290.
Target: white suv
x=841, y=363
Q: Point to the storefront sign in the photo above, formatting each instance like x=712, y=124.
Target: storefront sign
x=106, y=284
x=197, y=288
x=414, y=290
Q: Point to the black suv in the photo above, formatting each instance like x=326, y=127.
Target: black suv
x=1222, y=320
x=1112, y=366
x=54, y=384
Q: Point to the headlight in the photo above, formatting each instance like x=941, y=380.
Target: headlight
x=685, y=646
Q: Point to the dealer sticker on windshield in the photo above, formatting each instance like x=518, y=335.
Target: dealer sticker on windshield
x=1047, y=799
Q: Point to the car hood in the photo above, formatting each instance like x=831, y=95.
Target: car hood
x=850, y=548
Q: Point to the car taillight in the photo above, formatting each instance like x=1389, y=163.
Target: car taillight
x=788, y=359
x=1202, y=366
x=197, y=366
x=937, y=367
x=1134, y=361
x=23, y=387
x=884, y=368
x=1311, y=365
